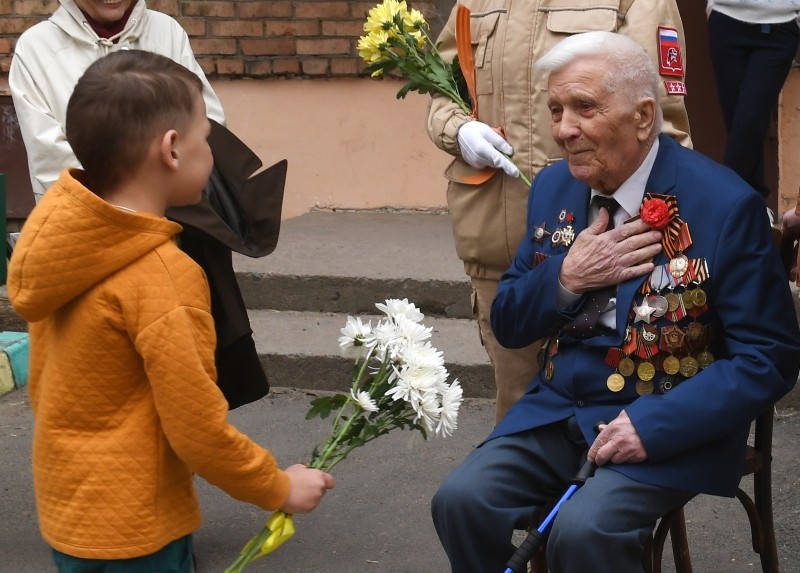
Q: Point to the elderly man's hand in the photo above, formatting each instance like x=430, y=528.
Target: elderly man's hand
x=618, y=443
x=598, y=259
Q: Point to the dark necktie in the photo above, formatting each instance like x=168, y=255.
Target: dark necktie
x=585, y=323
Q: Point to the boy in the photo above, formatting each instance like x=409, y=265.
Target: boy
x=122, y=378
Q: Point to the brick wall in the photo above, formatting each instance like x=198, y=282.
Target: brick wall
x=247, y=38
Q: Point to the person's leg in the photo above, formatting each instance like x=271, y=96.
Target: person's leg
x=762, y=57
x=603, y=527
x=514, y=369
x=495, y=490
x=175, y=557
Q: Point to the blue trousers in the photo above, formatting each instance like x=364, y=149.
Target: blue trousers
x=498, y=486
x=751, y=62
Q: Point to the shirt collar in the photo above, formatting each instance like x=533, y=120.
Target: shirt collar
x=631, y=192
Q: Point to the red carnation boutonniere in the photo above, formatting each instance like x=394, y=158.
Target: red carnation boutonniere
x=655, y=213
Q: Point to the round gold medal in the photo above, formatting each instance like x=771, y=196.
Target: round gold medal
x=673, y=301
x=615, y=382
x=688, y=300
x=704, y=359
x=645, y=371
x=626, y=366
x=644, y=387
x=698, y=297
x=688, y=366
x=671, y=365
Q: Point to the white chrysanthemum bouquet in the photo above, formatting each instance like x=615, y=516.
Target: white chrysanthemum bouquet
x=399, y=381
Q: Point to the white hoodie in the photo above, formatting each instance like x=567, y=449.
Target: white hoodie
x=50, y=58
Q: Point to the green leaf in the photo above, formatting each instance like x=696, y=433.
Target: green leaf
x=323, y=406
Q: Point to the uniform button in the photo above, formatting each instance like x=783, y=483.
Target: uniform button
x=579, y=403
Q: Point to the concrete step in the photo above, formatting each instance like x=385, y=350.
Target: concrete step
x=347, y=261
x=301, y=350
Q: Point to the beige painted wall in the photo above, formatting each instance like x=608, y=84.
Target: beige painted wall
x=789, y=142
x=349, y=142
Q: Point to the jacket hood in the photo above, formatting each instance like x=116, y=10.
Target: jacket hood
x=72, y=241
x=70, y=19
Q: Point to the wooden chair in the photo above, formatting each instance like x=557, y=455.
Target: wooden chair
x=758, y=508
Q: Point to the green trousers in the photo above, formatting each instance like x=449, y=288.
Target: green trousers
x=175, y=557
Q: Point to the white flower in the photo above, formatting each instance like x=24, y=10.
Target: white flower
x=395, y=307
x=364, y=401
x=413, y=384
x=424, y=355
x=387, y=339
x=355, y=334
x=451, y=402
x=411, y=332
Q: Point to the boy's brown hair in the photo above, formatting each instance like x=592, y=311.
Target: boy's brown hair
x=121, y=103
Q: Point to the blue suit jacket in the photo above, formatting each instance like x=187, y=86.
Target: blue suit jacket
x=695, y=434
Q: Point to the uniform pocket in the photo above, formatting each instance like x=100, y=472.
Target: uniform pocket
x=577, y=16
x=483, y=26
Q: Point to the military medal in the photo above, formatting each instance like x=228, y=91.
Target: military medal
x=673, y=301
x=643, y=311
x=704, y=359
x=699, y=297
x=666, y=384
x=687, y=300
x=567, y=235
x=688, y=366
x=540, y=233
x=646, y=371
x=615, y=382
x=644, y=387
x=660, y=304
x=671, y=365
x=626, y=366
x=678, y=265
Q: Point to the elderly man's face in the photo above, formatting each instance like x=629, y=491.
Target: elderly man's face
x=599, y=133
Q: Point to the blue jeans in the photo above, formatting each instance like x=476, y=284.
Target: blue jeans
x=176, y=557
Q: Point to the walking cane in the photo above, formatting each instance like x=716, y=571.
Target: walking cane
x=536, y=537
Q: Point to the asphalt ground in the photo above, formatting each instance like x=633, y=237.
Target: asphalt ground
x=376, y=520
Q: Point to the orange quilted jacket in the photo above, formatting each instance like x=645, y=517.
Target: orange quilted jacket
x=122, y=380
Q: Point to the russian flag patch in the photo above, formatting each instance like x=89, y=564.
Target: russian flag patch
x=670, y=60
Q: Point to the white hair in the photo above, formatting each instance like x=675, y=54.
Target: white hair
x=629, y=72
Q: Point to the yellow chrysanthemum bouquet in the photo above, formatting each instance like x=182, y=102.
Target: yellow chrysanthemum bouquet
x=397, y=40
x=399, y=381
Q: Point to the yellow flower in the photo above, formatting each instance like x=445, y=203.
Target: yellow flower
x=373, y=46
x=381, y=17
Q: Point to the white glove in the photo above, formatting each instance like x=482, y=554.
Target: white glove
x=481, y=146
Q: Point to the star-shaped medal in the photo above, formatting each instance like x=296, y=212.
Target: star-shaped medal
x=643, y=312
x=540, y=233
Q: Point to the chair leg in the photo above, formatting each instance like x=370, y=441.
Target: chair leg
x=762, y=491
x=680, y=544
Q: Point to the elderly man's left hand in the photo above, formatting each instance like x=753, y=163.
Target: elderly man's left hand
x=618, y=443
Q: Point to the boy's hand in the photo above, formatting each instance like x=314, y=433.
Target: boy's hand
x=307, y=488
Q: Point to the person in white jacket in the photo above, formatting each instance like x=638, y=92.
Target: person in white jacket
x=49, y=58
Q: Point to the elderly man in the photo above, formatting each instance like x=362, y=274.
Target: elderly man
x=667, y=315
